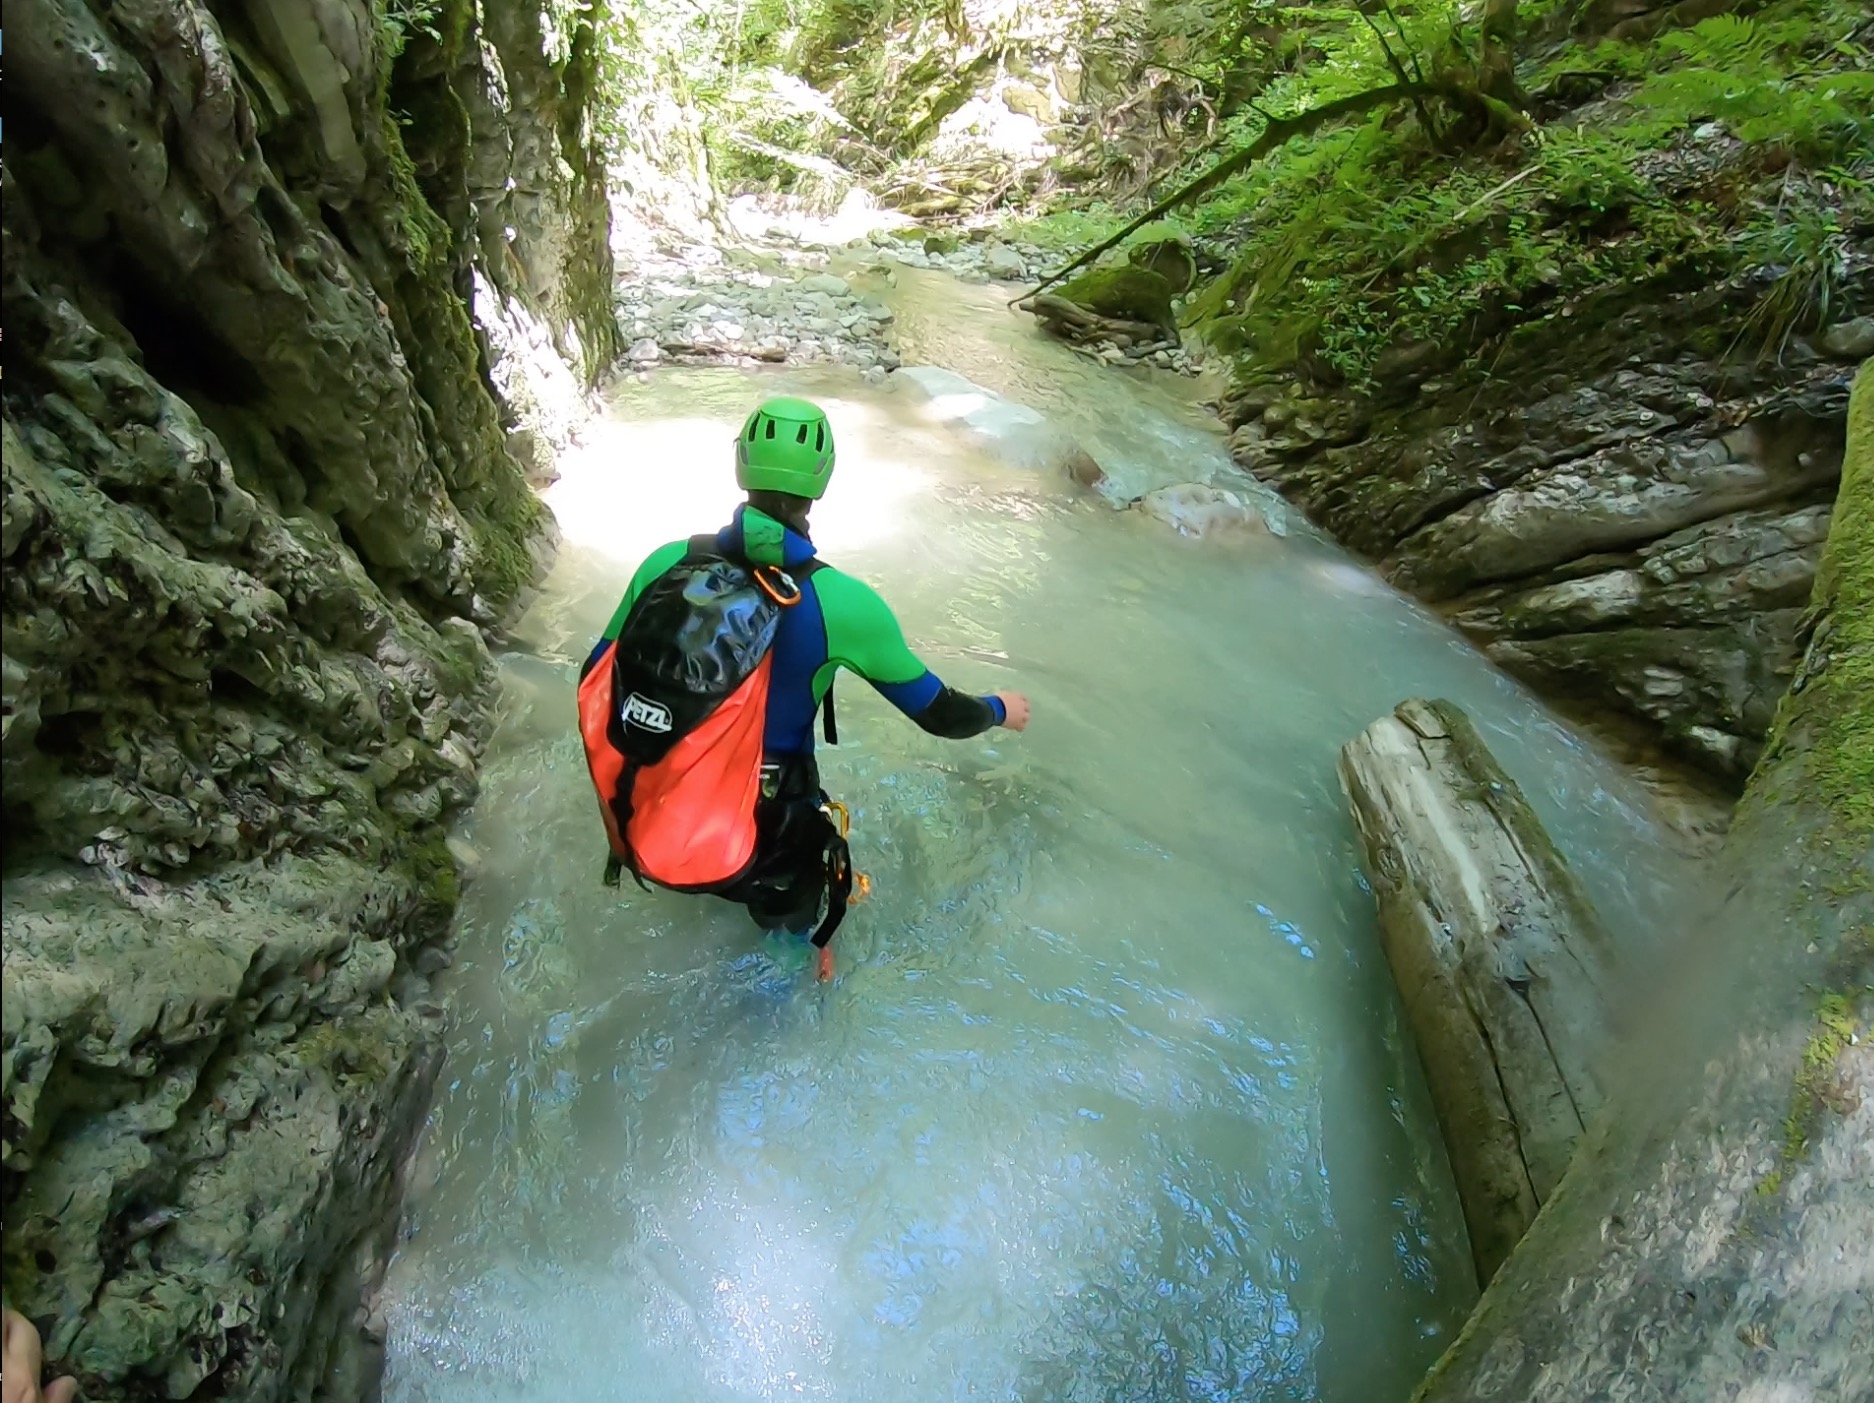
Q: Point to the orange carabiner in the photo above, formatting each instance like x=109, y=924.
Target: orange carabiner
x=762, y=578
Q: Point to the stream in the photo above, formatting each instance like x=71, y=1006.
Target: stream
x=1110, y=1099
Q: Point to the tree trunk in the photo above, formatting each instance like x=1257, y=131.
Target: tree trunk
x=1711, y=1238
x=1497, y=956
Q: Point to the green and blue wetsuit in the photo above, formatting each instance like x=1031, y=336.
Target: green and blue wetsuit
x=840, y=622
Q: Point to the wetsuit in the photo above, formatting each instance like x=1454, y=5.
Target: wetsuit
x=840, y=622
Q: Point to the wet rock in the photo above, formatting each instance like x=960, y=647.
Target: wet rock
x=253, y=534
x=826, y=283
x=1123, y=293
x=1172, y=259
x=1012, y=433
x=644, y=351
x=1550, y=501
x=1500, y=962
x=1697, y=1146
x=1005, y=265
x=1196, y=509
x=1850, y=340
x=1611, y=500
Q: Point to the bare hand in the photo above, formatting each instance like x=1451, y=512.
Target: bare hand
x=20, y=1361
x=1014, y=709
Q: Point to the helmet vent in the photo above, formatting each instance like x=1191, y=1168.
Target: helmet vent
x=819, y=438
x=771, y=428
x=801, y=435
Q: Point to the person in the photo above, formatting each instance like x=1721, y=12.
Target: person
x=21, y=1360
x=784, y=458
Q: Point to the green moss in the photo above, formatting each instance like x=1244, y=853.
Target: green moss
x=1830, y=710
x=425, y=237
x=1124, y=291
x=502, y=531
x=348, y=1049
x=432, y=868
x=1836, y=1028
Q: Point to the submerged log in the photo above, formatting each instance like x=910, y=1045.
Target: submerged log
x=1498, y=957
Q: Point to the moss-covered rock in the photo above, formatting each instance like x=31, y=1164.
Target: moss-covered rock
x=1172, y=259
x=1124, y=292
x=258, y=512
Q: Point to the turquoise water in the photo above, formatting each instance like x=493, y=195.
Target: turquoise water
x=1109, y=1100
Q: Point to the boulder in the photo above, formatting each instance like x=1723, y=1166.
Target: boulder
x=1172, y=259
x=1011, y=433
x=1197, y=509
x=829, y=283
x=1004, y=264
x=1850, y=340
x=1026, y=101
x=1123, y=292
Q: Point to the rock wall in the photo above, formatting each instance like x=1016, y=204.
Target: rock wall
x=262, y=508
x=1614, y=509
x=1709, y=1239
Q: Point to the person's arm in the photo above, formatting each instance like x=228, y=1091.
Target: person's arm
x=863, y=635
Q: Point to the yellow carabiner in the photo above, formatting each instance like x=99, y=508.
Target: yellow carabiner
x=834, y=809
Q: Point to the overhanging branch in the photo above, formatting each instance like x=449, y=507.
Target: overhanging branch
x=1279, y=131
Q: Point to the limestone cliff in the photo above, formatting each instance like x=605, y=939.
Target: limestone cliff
x=1613, y=509
x=266, y=266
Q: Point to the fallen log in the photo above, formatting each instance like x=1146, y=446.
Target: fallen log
x=1072, y=322
x=1499, y=960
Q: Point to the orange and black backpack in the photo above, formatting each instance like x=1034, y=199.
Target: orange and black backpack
x=673, y=713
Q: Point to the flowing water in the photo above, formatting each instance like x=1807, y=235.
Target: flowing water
x=1109, y=1100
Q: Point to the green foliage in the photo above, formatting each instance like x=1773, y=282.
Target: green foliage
x=1803, y=245
x=1362, y=236
x=1757, y=81
x=398, y=20
x=425, y=236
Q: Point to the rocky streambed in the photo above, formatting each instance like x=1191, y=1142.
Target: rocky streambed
x=778, y=302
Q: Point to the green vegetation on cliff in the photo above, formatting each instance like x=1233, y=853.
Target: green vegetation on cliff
x=1635, y=163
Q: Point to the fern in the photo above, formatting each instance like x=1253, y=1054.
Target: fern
x=1723, y=41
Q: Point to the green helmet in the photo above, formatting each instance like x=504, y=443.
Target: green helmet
x=786, y=445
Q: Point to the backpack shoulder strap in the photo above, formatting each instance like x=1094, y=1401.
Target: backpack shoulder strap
x=829, y=719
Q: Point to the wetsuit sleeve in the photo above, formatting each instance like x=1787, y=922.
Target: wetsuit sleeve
x=863, y=636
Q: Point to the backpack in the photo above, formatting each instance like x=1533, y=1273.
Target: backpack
x=673, y=714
